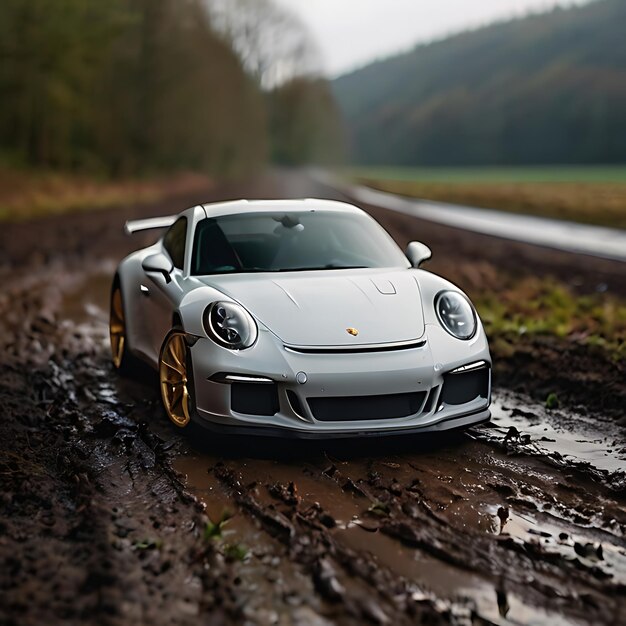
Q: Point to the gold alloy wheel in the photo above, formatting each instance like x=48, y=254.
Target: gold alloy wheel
x=116, y=328
x=173, y=379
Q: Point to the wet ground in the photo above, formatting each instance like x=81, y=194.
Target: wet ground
x=111, y=515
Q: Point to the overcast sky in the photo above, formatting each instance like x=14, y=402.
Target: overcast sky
x=351, y=33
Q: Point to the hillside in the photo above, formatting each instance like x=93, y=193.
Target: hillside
x=547, y=88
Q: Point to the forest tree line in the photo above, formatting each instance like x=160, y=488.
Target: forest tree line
x=127, y=87
x=545, y=89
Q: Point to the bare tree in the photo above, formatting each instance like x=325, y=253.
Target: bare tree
x=273, y=44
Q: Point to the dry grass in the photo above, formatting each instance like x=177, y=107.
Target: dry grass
x=24, y=195
x=541, y=306
x=587, y=202
x=517, y=310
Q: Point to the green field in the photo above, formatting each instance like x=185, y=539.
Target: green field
x=587, y=194
x=496, y=174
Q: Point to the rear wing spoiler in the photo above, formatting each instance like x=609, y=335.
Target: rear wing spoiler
x=132, y=226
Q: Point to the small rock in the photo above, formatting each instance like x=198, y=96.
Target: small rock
x=326, y=582
x=350, y=485
x=512, y=434
x=589, y=550
x=395, y=488
x=327, y=520
x=503, y=514
x=411, y=509
x=330, y=471
x=373, y=612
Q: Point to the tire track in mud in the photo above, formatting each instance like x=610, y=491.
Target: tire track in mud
x=399, y=515
x=350, y=581
x=96, y=527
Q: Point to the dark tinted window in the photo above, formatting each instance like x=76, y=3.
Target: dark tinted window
x=174, y=242
x=292, y=241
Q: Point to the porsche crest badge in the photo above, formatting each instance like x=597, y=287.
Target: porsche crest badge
x=352, y=331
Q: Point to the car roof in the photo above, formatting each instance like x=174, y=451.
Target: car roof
x=263, y=206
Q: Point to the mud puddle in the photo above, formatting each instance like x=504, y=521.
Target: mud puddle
x=445, y=581
x=469, y=490
x=565, y=436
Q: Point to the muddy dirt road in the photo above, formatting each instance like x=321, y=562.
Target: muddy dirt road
x=110, y=515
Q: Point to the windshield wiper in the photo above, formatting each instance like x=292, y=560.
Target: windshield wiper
x=259, y=270
x=238, y=270
x=322, y=267
x=346, y=267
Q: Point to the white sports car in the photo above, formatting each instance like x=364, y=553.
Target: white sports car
x=298, y=317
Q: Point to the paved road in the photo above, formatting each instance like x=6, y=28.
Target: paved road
x=597, y=241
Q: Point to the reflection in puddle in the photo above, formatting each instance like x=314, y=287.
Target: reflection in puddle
x=574, y=438
x=593, y=548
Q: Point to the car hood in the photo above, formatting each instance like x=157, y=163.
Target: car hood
x=316, y=308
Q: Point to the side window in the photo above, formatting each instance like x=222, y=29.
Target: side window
x=174, y=242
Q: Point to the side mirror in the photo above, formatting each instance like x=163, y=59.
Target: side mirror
x=159, y=264
x=418, y=252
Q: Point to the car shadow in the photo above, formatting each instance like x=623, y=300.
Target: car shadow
x=290, y=450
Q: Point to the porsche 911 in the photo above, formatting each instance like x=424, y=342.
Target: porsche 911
x=297, y=318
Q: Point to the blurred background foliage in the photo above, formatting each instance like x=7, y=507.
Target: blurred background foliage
x=545, y=89
x=132, y=87
x=128, y=87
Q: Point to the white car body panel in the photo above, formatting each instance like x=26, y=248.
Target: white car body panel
x=314, y=309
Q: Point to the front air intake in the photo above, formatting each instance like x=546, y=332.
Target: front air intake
x=354, y=408
x=465, y=386
x=254, y=399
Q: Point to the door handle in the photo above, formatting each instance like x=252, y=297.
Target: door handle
x=144, y=290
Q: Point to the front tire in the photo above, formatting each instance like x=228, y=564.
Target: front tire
x=175, y=378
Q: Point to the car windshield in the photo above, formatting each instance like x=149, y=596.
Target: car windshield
x=291, y=241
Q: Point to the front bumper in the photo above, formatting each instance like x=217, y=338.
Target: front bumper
x=413, y=378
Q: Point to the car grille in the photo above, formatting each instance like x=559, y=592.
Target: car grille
x=351, y=408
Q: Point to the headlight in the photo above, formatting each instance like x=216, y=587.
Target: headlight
x=456, y=314
x=230, y=325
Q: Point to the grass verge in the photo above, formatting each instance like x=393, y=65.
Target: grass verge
x=549, y=337
x=557, y=346
x=536, y=307
x=25, y=195
x=587, y=199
